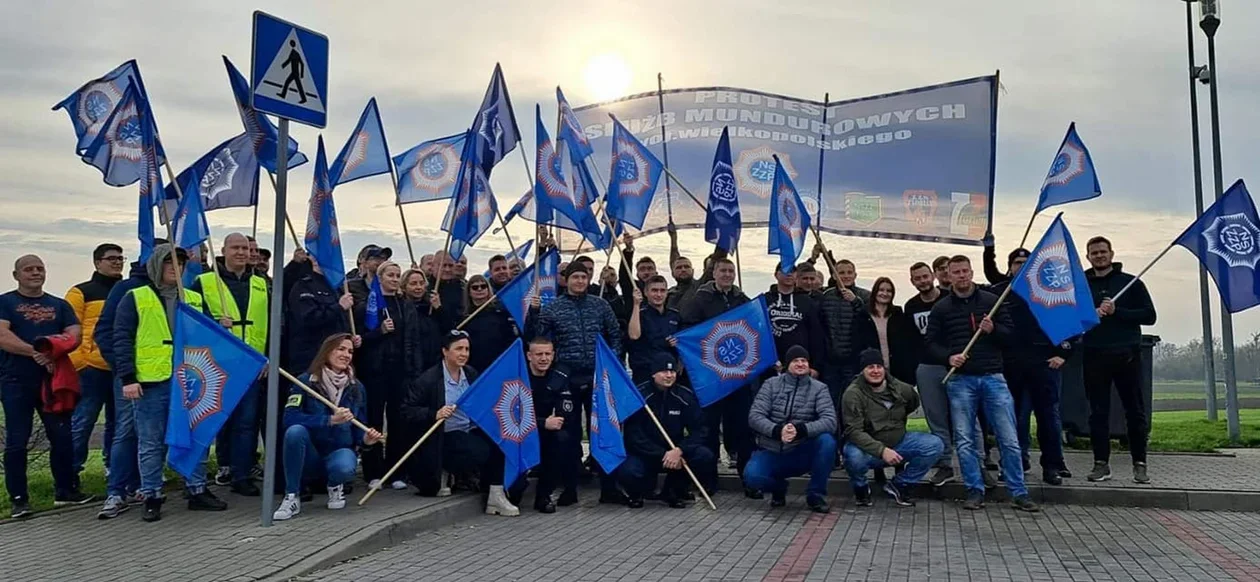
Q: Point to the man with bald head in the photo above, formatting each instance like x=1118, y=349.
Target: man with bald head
x=27, y=314
x=239, y=298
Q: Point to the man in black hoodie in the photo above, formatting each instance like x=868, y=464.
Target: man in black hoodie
x=1113, y=354
x=794, y=317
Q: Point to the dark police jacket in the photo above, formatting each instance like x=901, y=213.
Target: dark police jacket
x=678, y=412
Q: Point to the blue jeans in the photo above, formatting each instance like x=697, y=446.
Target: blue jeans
x=919, y=449
x=769, y=471
x=124, y=470
x=237, y=441
x=21, y=400
x=147, y=428
x=1037, y=391
x=303, y=461
x=97, y=391
x=967, y=396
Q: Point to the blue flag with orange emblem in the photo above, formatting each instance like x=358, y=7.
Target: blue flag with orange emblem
x=118, y=148
x=571, y=131
x=1226, y=239
x=789, y=220
x=323, y=238
x=541, y=279
x=91, y=105
x=473, y=207
x=1071, y=177
x=212, y=371
x=632, y=179
x=365, y=153
x=501, y=403
x=428, y=171
x=722, y=221
x=263, y=134
x=495, y=131
x=728, y=351
x=1053, y=284
x=614, y=399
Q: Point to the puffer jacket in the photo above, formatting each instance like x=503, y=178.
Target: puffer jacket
x=797, y=400
x=955, y=319
x=88, y=300
x=572, y=323
x=709, y=302
x=848, y=325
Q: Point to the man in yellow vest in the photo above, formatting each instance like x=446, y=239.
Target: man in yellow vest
x=143, y=358
x=239, y=299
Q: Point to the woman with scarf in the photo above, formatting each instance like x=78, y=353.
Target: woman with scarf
x=490, y=327
x=319, y=441
x=897, y=335
x=391, y=354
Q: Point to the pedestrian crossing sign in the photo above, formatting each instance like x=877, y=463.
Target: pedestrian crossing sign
x=289, y=71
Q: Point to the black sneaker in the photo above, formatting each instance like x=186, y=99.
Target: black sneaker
x=1023, y=503
x=567, y=497
x=636, y=503
x=1064, y=473
x=72, y=498
x=989, y=481
x=223, y=477
x=545, y=506
x=616, y=498
x=1027, y=465
x=1052, y=478
x=152, y=509
x=205, y=501
x=1101, y=472
x=674, y=501
x=246, y=488
x=778, y=499
x=942, y=475
x=975, y=500
x=754, y=493
x=863, y=495
x=898, y=495
x=1139, y=473
x=818, y=504
x=21, y=509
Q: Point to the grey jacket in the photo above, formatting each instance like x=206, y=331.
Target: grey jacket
x=786, y=399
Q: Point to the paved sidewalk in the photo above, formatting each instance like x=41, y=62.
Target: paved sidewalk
x=746, y=540
x=190, y=546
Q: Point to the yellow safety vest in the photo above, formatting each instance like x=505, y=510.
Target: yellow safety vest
x=154, y=351
x=253, y=328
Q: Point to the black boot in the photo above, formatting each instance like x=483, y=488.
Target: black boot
x=152, y=509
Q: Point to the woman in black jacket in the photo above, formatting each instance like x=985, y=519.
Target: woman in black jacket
x=491, y=329
x=897, y=337
x=459, y=446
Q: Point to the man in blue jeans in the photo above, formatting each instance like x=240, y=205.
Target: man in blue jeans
x=977, y=382
x=875, y=409
x=794, y=421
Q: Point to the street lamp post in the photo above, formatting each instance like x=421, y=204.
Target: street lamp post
x=1205, y=308
x=1209, y=21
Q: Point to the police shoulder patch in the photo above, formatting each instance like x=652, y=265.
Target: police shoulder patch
x=294, y=400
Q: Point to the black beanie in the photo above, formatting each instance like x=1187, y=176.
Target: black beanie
x=576, y=267
x=1017, y=254
x=796, y=352
x=870, y=357
x=663, y=362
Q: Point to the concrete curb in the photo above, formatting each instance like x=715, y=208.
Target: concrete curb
x=381, y=535
x=1152, y=498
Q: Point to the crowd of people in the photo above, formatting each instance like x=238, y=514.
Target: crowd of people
x=852, y=365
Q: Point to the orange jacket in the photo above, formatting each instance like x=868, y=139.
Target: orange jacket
x=87, y=299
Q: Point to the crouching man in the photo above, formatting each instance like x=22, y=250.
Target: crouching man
x=875, y=409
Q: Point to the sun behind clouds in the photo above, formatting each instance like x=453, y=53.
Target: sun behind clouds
x=607, y=76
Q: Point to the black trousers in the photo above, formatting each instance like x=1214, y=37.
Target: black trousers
x=1123, y=368
x=561, y=453
x=637, y=474
x=383, y=398
x=465, y=452
x=726, y=422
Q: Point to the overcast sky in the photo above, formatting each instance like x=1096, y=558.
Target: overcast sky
x=1116, y=68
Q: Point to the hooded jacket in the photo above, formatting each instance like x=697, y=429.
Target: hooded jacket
x=874, y=422
x=1121, y=330
x=800, y=401
x=103, y=335
x=795, y=321
x=127, y=319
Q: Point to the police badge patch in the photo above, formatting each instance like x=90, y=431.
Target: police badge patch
x=438, y=167
x=1067, y=166
x=1234, y=239
x=358, y=152
x=729, y=351
x=515, y=411
x=1049, y=277
x=201, y=380
x=754, y=170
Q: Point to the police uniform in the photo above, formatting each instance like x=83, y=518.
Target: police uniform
x=561, y=450
x=680, y=415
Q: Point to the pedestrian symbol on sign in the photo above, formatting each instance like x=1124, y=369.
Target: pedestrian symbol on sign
x=289, y=79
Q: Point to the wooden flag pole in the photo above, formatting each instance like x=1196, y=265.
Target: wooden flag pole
x=1143, y=271
x=323, y=400
x=1026, y=230
x=407, y=455
x=393, y=176
x=437, y=268
x=976, y=336
x=686, y=467
x=345, y=287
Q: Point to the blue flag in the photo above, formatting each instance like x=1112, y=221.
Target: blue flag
x=212, y=371
x=375, y=302
x=583, y=193
x=91, y=105
x=226, y=177
x=614, y=399
x=118, y=148
x=519, y=253
x=429, y=171
x=1226, y=239
x=789, y=220
x=323, y=239
x=365, y=153
x=262, y=132
x=728, y=351
x=632, y=179
x=473, y=208
x=722, y=222
x=150, y=176
x=495, y=126
x=1071, y=177
x=501, y=403
x=571, y=131
x=520, y=291
x=191, y=229
x=1053, y=284
x=550, y=185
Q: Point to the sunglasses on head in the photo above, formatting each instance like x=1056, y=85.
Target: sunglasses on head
x=458, y=333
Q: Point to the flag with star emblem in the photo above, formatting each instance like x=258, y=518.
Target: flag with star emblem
x=1226, y=239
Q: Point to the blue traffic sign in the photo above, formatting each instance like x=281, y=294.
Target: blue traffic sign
x=289, y=71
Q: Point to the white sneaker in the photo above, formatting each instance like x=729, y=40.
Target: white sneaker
x=498, y=504
x=336, y=498
x=398, y=485
x=445, y=490
x=289, y=507
x=374, y=484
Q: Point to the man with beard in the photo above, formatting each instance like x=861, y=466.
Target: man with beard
x=929, y=372
x=500, y=272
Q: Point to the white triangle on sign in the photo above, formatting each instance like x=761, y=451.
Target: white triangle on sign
x=283, y=82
